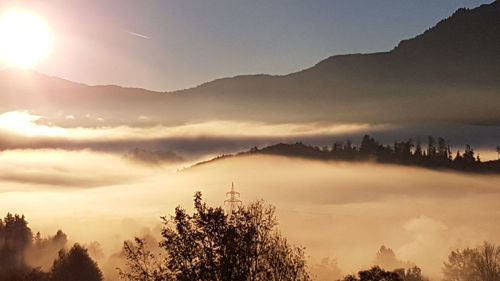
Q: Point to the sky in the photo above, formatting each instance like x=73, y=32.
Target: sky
x=173, y=44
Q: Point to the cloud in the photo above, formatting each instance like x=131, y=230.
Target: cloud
x=202, y=140
x=35, y=169
x=25, y=124
x=21, y=129
x=152, y=157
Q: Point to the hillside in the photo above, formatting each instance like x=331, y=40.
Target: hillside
x=448, y=73
x=436, y=156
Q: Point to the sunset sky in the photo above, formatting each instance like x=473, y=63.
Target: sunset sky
x=167, y=45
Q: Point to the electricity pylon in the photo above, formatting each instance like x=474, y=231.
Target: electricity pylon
x=233, y=201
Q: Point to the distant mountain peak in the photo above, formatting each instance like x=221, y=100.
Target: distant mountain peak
x=468, y=32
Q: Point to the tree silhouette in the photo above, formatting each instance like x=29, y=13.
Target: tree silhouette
x=75, y=265
x=411, y=274
x=431, y=147
x=15, y=239
x=386, y=258
x=437, y=156
x=43, y=251
x=418, y=149
x=213, y=245
x=487, y=262
x=443, y=149
x=142, y=264
x=374, y=274
x=469, y=154
x=368, y=145
x=478, y=264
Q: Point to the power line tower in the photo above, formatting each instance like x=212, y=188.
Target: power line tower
x=233, y=200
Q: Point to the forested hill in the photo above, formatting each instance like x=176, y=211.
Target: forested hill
x=437, y=154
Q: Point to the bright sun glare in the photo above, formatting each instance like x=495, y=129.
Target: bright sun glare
x=24, y=38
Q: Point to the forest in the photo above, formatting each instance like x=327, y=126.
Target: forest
x=213, y=244
x=437, y=154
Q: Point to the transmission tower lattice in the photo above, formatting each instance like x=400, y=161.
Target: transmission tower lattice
x=233, y=200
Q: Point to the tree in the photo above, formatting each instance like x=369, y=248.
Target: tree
x=348, y=146
x=374, y=274
x=443, y=149
x=460, y=266
x=337, y=147
x=15, y=239
x=213, y=245
x=23, y=255
x=418, y=149
x=431, y=147
x=487, y=262
x=478, y=264
x=469, y=154
x=403, y=149
x=75, y=265
x=43, y=251
x=498, y=151
x=142, y=264
x=411, y=274
x=386, y=258
x=368, y=145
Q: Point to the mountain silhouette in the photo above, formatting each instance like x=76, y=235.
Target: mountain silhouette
x=449, y=73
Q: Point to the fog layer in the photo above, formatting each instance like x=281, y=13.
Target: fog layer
x=338, y=210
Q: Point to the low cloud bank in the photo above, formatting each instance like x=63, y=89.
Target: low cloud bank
x=196, y=141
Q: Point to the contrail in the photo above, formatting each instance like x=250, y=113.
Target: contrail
x=138, y=35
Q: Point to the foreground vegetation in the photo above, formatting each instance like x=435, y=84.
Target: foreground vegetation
x=19, y=248
x=212, y=244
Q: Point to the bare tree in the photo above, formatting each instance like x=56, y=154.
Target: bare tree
x=142, y=264
x=487, y=262
x=478, y=264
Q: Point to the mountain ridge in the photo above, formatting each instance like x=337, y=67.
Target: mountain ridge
x=401, y=153
x=446, y=74
x=407, y=75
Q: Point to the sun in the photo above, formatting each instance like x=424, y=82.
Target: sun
x=25, y=39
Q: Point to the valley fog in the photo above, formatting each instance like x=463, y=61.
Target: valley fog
x=342, y=211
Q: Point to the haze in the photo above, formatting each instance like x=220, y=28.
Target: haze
x=375, y=128
x=337, y=210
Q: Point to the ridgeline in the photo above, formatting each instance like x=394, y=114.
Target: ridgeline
x=437, y=154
